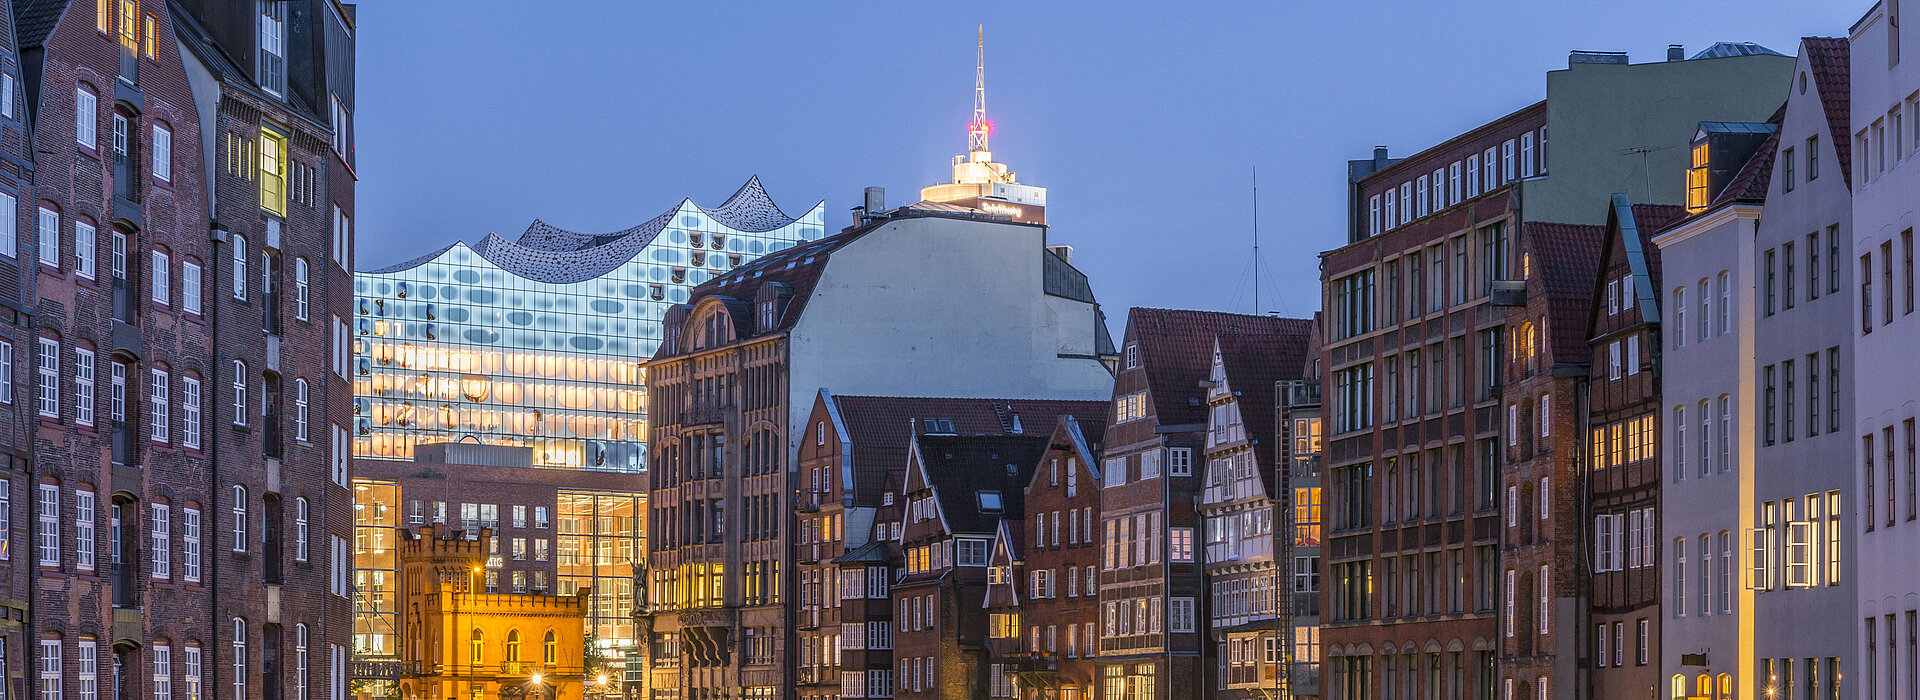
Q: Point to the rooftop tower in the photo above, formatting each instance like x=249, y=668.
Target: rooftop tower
x=978, y=182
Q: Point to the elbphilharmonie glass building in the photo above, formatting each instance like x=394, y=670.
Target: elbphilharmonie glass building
x=538, y=342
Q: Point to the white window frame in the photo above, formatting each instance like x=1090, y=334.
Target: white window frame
x=85, y=248
x=83, y=376
x=162, y=153
x=160, y=413
x=86, y=117
x=239, y=250
x=300, y=289
x=190, y=412
x=49, y=368
x=300, y=529
x=48, y=235
x=190, y=544
x=159, y=285
x=160, y=529
x=240, y=508
x=300, y=409
x=84, y=514
x=240, y=384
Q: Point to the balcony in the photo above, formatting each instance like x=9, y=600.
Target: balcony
x=1035, y=669
x=385, y=669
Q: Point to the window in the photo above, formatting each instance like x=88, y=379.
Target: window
x=1180, y=614
x=162, y=153
x=300, y=288
x=239, y=658
x=50, y=670
x=340, y=566
x=161, y=529
x=84, y=242
x=1179, y=462
x=300, y=409
x=190, y=412
x=162, y=672
x=239, y=393
x=84, y=116
x=342, y=236
x=49, y=237
x=1507, y=171
x=83, y=386
x=157, y=270
x=49, y=383
x=239, y=519
x=83, y=533
x=1786, y=169
x=190, y=546
x=1526, y=154
x=273, y=167
x=240, y=268
x=89, y=670
x=299, y=529
x=157, y=395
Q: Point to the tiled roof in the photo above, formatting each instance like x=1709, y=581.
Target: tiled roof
x=799, y=267
x=1828, y=59
x=1253, y=364
x=1176, y=352
x=33, y=20
x=961, y=467
x=879, y=428
x=1566, y=261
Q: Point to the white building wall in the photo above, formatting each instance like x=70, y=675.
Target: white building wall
x=1793, y=620
x=1886, y=192
x=1693, y=504
x=943, y=307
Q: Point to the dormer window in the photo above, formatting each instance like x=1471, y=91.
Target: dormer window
x=273, y=47
x=937, y=425
x=1698, y=177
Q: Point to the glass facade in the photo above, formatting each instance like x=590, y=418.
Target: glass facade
x=376, y=571
x=539, y=342
x=600, y=537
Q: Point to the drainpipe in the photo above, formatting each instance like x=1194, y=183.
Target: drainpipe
x=210, y=653
x=1582, y=524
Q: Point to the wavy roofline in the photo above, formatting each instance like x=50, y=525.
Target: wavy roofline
x=573, y=257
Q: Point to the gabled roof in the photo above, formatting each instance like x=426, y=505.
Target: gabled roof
x=1084, y=438
x=875, y=552
x=1254, y=363
x=1828, y=59
x=1635, y=226
x=33, y=20
x=1566, y=262
x=879, y=428
x=1176, y=351
x=960, y=467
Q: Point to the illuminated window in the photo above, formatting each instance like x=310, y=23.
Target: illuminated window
x=273, y=171
x=1697, y=180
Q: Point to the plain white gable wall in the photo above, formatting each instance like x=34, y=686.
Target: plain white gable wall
x=943, y=307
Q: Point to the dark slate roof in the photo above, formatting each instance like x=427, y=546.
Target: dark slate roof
x=959, y=467
x=1643, y=257
x=880, y=428
x=1084, y=438
x=1750, y=183
x=551, y=254
x=1566, y=261
x=1176, y=352
x=1828, y=59
x=33, y=20
x=874, y=552
x=1253, y=364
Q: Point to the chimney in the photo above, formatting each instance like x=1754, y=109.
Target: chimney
x=1676, y=52
x=876, y=200
x=1063, y=252
x=1379, y=157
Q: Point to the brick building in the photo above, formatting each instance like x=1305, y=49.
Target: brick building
x=850, y=445
x=1623, y=481
x=1151, y=641
x=464, y=639
x=750, y=349
x=17, y=413
x=189, y=539
x=1544, y=567
x=1042, y=583
x=958, y=490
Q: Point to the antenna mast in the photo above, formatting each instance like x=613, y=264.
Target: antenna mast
x=977, y=130
x=1256, y=240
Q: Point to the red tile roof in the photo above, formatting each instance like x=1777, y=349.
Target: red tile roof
x=1176, y=352
x=1828, y=58
x=1566, y=261
x=1253, y=364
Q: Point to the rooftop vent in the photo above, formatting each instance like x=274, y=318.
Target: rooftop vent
x=1618, y=58
x=1676, y=52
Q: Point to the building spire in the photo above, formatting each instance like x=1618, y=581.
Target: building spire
x=978, y=128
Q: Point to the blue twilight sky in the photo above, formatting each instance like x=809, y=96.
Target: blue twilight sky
x=1142, y=119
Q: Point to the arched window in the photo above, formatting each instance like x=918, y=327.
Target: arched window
x=239, y=518
x=300, y=662
x=552, y=645
x=300, y=409
x=239, y=657
x=239, y=393
x=300, y=288
x=474, y=648
x=513, y=645
x=300, y=529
